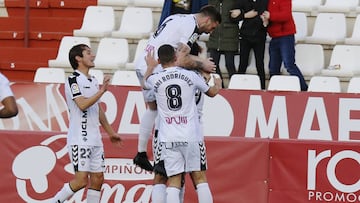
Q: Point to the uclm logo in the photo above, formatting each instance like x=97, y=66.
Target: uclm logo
x=341, y=171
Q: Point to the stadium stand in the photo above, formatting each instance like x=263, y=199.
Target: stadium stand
x=348, y=7
x=244, y=82
x=308, y=6
x=138, y=53
x=62, y=59
x=301, y=23
x=284, y=83
x=354, y=85
x=136, y=24
x=324, y=84
x=310, y=59
x=125, y=77
x=49, y=75
x=112, y=54
x=98, y=21
x=153, y=4
x=355, y=36
x=98, y=74
x=329, y=29
x=344, y=62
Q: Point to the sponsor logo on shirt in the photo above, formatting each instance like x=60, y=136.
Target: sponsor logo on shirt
x=75, y=88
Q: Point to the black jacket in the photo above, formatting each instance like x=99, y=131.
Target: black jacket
x=251, y=28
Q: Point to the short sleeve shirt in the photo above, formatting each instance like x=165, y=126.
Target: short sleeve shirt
x=174, y=29
x=5, y=90
x=83, y=125
x=175, y=90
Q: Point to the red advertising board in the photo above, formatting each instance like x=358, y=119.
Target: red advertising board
x=237, y=113
x=314, y=172
x=262, y=147
x=35, y=165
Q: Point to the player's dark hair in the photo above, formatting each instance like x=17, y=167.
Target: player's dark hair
x=76, y=50
x=212, y=12
x=166, y=54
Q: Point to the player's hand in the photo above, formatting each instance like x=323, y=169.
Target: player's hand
x=116, y=140
x=251, y=14
x=235, y=13
x=151, y=62
x=106, y=83
x=217, y=81
x=208, y=65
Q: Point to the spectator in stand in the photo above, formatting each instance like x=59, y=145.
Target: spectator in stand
x=282, y=29
x=9, y=108
x=252, y=34
x=225, y=38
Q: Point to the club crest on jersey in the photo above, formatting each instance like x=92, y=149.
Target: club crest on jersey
x=193, y=38
x=75, y=88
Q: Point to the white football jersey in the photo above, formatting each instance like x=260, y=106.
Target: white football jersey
x=83, y=125
x=174, y=29
x=175, y=90
x=5, y=90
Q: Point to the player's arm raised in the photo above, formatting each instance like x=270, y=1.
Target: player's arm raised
x=188, y=61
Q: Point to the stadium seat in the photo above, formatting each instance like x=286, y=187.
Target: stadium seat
x=155, y=4
x=49, y=75
x=354, y=85
x=125, y=78
x=329, y=29
x=244, y=82
x=136, y=23
x=310, y=58
x=284, y=83
x=335, y=6
x=112, y=54
x=355, y=37
x=324, y=84
x=301, y=23
x=344, y=61
x=308, y=6
x=66, y=43
x=140, y=48
x=114, y=3
x=98, y=21
x=98, y=74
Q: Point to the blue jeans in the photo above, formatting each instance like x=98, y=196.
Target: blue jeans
x=282, y=49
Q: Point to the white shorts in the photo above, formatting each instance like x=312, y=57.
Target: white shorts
x=182, y=157
x=87, y=158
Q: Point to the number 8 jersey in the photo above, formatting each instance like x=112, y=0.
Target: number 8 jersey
x=175, y=89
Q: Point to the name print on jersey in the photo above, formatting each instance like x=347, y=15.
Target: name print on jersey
x=84, y=126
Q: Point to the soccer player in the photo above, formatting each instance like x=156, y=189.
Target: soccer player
x=7, y=99
x=180, y=140
x=84, y=139
x=180, y=28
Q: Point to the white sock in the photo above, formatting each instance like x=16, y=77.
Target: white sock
x=93, y=196
x=146, y=127
x=158, y=194
x=182, y=194
x=172, y=195
x=204, y=193
x=63, y=194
